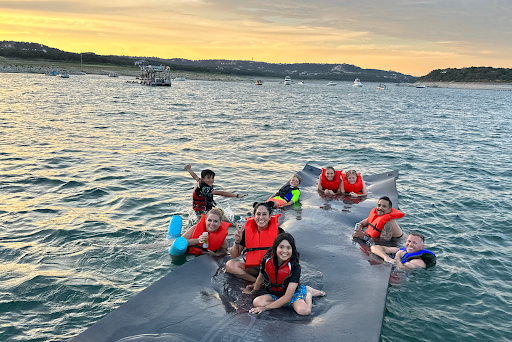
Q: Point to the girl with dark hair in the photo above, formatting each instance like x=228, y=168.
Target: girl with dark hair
x=256, y=237
x=280, y=275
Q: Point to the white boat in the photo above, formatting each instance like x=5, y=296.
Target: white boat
x=301, y=82
x=287, y=80
x=421, y=86
x=331, y=83
x=179, y=78
x=155, y=75
x=259, y=82
x=357, y=83
x=64, y=74
x=382, y=87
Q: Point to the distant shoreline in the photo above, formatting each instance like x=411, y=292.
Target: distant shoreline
x=41, y=67
x=468, y=85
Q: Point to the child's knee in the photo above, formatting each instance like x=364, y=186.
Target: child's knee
x=303, y=310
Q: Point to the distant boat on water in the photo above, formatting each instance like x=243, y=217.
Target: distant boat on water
x=357, y=83
x=259, y=82
x=287, y=80
x=64, y=74
x=179, y=79
x=51, y=73
x=331, y=83
x=421, y=86
x=382, y=87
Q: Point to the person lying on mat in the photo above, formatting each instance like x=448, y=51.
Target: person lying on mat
x=288, y=194
x=329, y=181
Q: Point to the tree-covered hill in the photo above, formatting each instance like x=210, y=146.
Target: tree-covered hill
x=473, y=74
x=303, y=71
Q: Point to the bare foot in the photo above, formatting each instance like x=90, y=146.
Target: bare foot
x=315, y=292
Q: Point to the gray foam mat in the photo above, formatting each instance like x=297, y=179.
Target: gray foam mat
x=199, y=302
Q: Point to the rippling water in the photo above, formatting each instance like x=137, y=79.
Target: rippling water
x=90, y=165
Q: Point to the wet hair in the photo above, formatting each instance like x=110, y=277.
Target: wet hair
x=351, y=172
x=330, y=168
x=296, y=176
x=294, y=259
x=386, y=198
x=418, y=235
x=217, y=211
x=268, y=205
x=207, y=173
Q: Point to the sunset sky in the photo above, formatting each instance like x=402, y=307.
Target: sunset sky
x=408, y=36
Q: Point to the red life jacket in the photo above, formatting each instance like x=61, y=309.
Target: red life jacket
x=274, y=279
x=376, y=222
x=215, y=239
x=357, y=187
x=198, y=203
x=256, y=242
x=333, y=185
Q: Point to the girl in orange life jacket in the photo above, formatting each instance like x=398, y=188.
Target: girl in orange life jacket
x=256, y=237
x=329, y=181
x=216, y=232
x=353, y=184
x=280, y=275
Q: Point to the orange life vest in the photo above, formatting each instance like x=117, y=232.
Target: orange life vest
x=274, y=279
x=333, y=185
x=376, y=222
x=357, y=187
x=215, y=239
x=256, y=242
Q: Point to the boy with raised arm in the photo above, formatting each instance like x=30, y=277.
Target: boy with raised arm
x=202, y=196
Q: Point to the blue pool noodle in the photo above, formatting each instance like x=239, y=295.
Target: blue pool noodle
x=178, y=247
x=175, y=227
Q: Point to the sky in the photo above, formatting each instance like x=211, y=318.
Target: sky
x=413, y=37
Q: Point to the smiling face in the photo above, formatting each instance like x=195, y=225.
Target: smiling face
x=208, y=180
x=213, y=223
x=284, y=251
x=294, y=182
x=413, y=244
x=351, y=178
x=383, y=207
x=329, y=174
x=262, y=217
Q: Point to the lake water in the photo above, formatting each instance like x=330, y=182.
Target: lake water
x=91, y=164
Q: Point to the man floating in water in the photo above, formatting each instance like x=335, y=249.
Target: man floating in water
x=412, y=256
